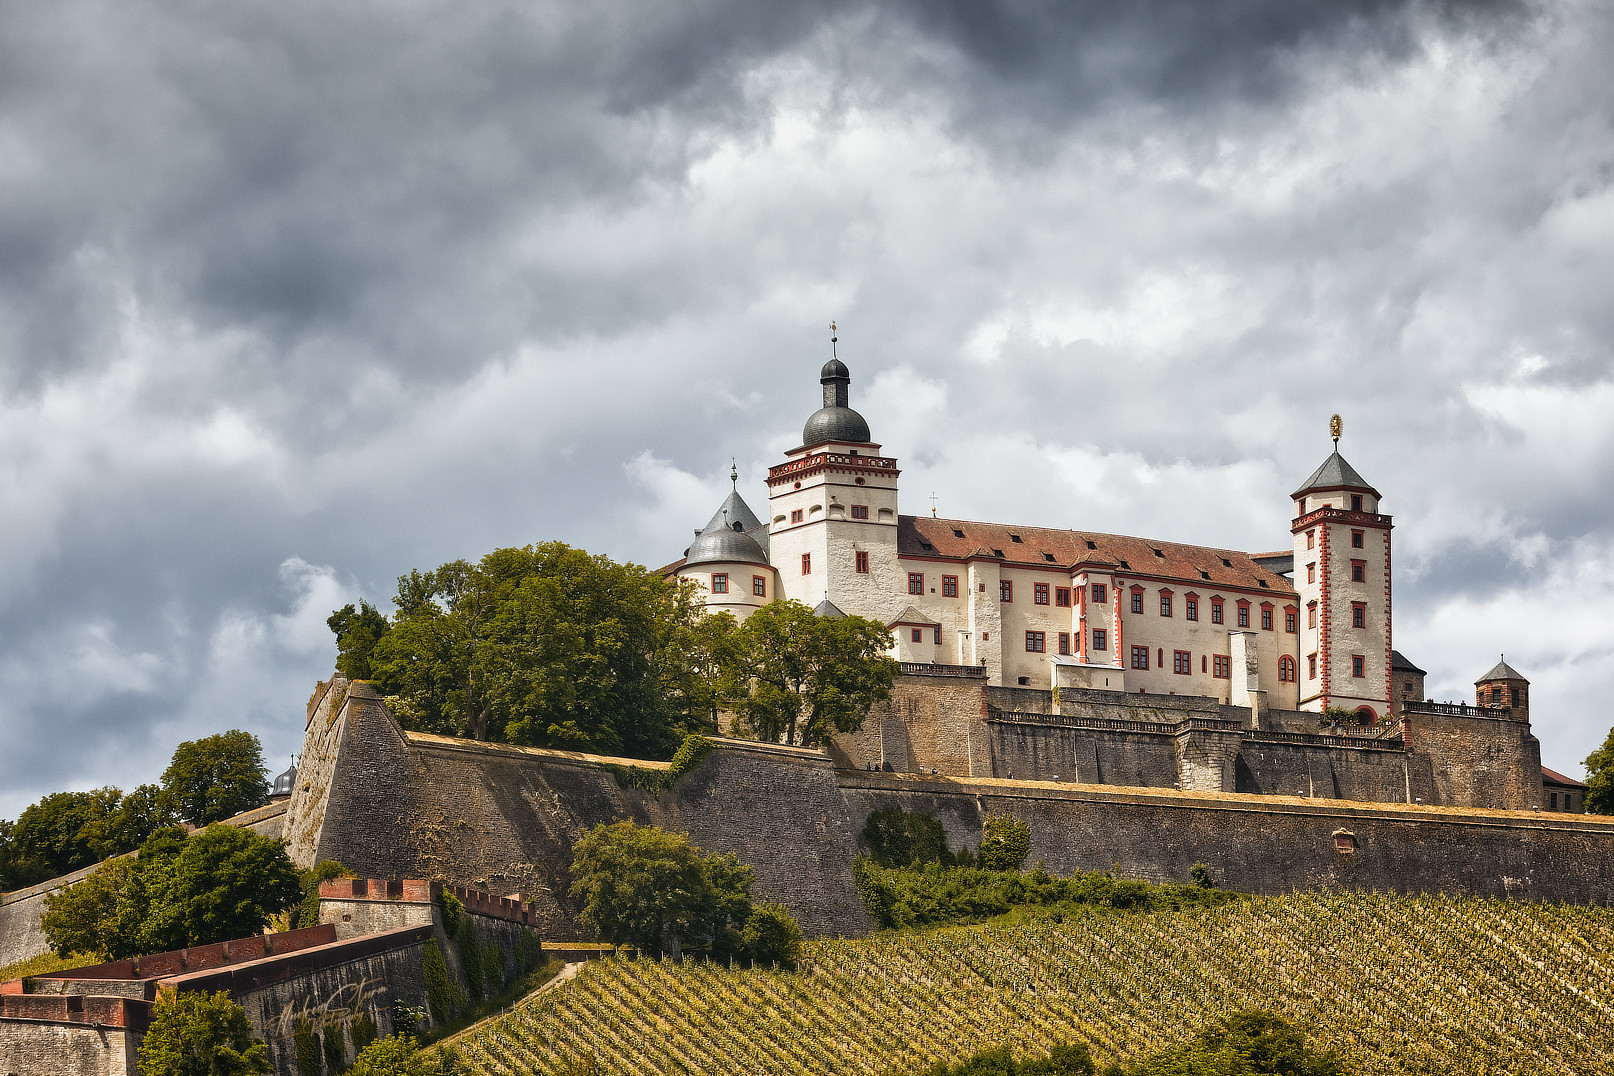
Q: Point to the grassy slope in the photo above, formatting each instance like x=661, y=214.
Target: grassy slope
x=1403, y=985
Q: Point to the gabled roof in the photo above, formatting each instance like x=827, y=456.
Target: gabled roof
x=1501, y=671
x=1553, y=777
x=1047, y=547
x=1335, y=473
x=828, y=610
x=913, y=616
x=1398, y=663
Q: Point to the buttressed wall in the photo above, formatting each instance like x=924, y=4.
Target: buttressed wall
x=503, y=819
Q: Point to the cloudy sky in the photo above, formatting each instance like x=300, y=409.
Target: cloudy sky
x=295, y=297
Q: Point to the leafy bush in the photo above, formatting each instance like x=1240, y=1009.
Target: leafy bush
x=335, y=1049
x=306, y=914
x=771, y=936
x=201, y=1034
x=1005, y=842
x=363, y=1030
x=1250, y=1043
x=690, y=754
x=898, y=838
x=934, y=894
x=443, y=997
x=1066, y=1059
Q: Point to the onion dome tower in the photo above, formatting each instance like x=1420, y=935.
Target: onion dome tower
x=835, y=421
x=729, y=557
x=285, y=783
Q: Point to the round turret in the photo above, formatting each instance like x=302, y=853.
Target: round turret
x=725, y=544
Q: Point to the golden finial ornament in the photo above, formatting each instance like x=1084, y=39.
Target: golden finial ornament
x=833, y=337
x=1335, y=428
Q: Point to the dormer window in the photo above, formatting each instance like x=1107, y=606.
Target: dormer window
x=957, y=533
x=1356, y=502
x=1092, y=544
x=1014, y=538
x=1049, y=557
x=997, y=552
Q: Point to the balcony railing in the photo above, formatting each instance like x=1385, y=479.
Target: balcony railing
x=923, y=668
x=1456, y=709
x=832, y=459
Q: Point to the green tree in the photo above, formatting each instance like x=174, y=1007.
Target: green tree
x=201, y=1034
x=1248, y=1043
x=357, y=631
x=640, y=885
x=397, y=1056
x=1005, y=842
x=216, y=777
x=805, y=676
x=771, y=936
x=548, y=646
x=219, y=884
x=7, y=876
x=1600, y=778
x=64, y=832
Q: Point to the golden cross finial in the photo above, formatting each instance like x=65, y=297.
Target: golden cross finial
x=1335, y=427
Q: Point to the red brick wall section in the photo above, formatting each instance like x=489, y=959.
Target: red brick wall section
x=418, y=891
x=77, y=1009
x=201, y=958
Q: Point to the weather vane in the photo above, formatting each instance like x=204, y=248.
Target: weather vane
x=832, y=339
x=734, y=474
x=1335, y=427
x=933, y=504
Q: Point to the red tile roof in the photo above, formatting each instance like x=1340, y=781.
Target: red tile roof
x=1553, y=777
x=1045, y=547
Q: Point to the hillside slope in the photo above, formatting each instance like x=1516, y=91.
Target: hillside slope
x=1402, y=985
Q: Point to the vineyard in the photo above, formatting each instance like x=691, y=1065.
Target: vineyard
x=1401, y=985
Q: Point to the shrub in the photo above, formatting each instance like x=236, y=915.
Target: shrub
x=363, y=1030
x=1065, y=1059
x=1249, y=1043
x=443, y=997
x=771, y=936
x=1005, y=842
x=397, y=1056
x=691, y=753
x=306, y=1039
x=306, y=914
x=898, y=838
x=201, y=1034
x=335, y=1048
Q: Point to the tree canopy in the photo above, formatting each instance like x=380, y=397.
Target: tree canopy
x=66, y=831
x=194, y=1033
x=1600, y=778
x=180, y=891
x=799, y=677
x=216, y=777
x=545, y=645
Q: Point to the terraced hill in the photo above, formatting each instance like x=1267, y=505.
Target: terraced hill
x=1403, y=985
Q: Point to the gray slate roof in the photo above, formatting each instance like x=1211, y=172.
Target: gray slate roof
x=1335, y=473
x=1401, y=664
x=734, y=510
x=1501, y=671
x=827, y=609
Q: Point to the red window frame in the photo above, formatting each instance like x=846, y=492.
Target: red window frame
x=1311, y=572
x=949, y=586
x=916, y=582
x=1036, y=642
x=1140, y=657
x=1358, y=571
x=1286, y=669
x=937, y=631
x=917, y=635
x=720, y=582
x=1358, y=665
x=1101, y=593
x=1358, y=614
x=797, y=515
x=806, y=564
x=1311, y=666
x=1291, y=619
x=1244, y=614
x=1137, y=599
x=1266, y=618
x=1358, y=539
x=1062, y=597
x=1190, y=607
x=1165, y=603
x=1222, y=667
x=1182, y=662
x=1005, y=590
x=1311, y=539
x=1217, y=616
x=1311, y=614
x=1039, y=594
x=1064, y=643
x=1101, y=638
x=759, y=586
x=860, y=511
x=861, y=561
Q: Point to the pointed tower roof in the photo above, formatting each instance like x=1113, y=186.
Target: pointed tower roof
x=733, y=510
x=1501, y=671
x=1335, y=473
x=828, y=610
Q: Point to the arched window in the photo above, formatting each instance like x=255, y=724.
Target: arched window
x=1286, y=669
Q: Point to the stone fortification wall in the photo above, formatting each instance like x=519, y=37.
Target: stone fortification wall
x=322, y=739
x=52, y=1036
x=1270, y=764
x=1477, y=761
x=1271, y=844
x=1034, y=746
x=20, y=911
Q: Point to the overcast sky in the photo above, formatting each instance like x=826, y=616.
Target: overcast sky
x=296, y=297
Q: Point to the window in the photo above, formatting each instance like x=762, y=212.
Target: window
x=1358, y=665
x=1140, y=657
x=1358, y=615
x=1311, y=666
x=720, y=582
x=1165, y=603
x=1513, y=694
x=1160, y=657
x=1137, y=601
x=1358, y=571
x=916, y=582
x=1286, y=669
x=918, y=635
x=1356, y=502
x=1005, y=590
x=1244, y=614
x=861, y=561
x=1064, y=643
x=1062, y=597
x=1356, y=539
x=1266, y=618
x=806, y=564
x=1101, y=639
x=1216, y=610
x=1291, y=619
x=797, y=515
x=1311, y=614
x=1311, y=539
x=1190, y=608
x=1182, y=662
x=1311, y=572
x=1101, y=594
x=759, y=586
x=1222, y=667
x=1039, y=593
x=860, y=511
x=949, y=586
x=937, y=631
x=1035, y=642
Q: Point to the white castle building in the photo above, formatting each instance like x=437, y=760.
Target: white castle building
x=1310, y=626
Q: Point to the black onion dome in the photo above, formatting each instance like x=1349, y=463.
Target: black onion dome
x=834, y=368
x=721, y=544
x=835, y=424
x=285, y=782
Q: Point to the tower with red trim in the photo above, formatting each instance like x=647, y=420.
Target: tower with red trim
x=1342, y=574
